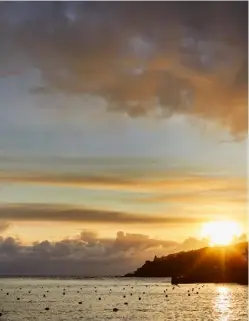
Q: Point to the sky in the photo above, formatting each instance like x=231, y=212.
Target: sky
x=123, y=128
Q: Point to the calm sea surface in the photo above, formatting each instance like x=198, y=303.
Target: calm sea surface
x=146, y=299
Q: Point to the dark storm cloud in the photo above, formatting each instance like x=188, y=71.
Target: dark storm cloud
x=60, y=213
x=86, y=255
x=156, y=58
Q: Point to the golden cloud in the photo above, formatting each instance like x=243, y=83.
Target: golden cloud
x=171, y=182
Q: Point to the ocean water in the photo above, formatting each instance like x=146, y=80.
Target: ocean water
x=158, y=300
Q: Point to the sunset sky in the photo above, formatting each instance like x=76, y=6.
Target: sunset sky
x=123, y=127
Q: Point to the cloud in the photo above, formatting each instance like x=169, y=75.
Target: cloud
x=86, y=254
x=219, y=196
x=4, y=226
x=40, y=90
x=94, y=181
x=171, y=181
x=164, y=59
x=63, y=213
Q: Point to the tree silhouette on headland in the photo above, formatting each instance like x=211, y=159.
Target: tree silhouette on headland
x=209, y=264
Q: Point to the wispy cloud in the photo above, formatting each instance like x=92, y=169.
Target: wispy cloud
x=4, y=226
x=170, y=182
x=63, y=213
x=226, y=196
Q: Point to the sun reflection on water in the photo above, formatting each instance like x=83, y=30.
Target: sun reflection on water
x=222, y=303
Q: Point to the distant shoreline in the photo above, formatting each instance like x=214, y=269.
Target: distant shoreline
x=74, y=277
x=69, y=277
x=103, y=277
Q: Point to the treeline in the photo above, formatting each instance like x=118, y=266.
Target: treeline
x=210, y=264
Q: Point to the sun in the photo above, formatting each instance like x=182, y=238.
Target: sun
x=220, y=232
